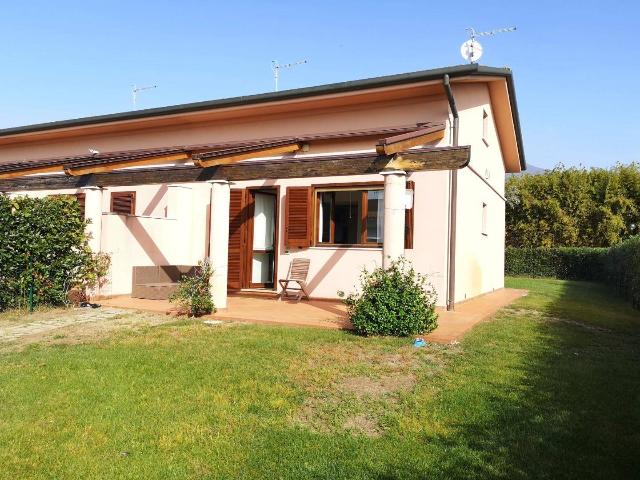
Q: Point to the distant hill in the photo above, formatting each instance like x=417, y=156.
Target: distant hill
x=531, y=170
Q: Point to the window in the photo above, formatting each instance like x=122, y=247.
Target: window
x=485, y=127
x=123, y=203
x=484, y=219
x=350, y=217
x=80, y=197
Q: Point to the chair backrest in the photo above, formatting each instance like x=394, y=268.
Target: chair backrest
x=299, y=269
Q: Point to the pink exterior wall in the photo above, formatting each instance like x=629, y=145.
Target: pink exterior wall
x=136, y=240
x=479, y=258
x=132, y=240
x=333, y=269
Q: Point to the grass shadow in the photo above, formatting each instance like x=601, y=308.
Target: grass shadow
x=550, y=388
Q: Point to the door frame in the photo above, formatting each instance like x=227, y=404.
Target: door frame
x=248, y=245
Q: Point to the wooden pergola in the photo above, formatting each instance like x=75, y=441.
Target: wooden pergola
x=238, y=161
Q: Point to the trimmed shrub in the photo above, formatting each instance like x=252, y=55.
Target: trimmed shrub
x=43, y=242
x=622, y=267
x=396, y=301
x=617, y=266
x=579, y=263
x=193, y=295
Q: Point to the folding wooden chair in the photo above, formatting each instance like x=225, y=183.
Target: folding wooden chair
x=298, y=271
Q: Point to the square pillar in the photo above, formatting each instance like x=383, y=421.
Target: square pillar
x=180, y=208
x=219, y=241
x=93, y=213
x=395, y=185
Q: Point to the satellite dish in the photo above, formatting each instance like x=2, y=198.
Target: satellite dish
x=471, y=50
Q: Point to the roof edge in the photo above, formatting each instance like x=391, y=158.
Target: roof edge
x=332, y=88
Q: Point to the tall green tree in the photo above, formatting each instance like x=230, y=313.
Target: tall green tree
x=573, y=207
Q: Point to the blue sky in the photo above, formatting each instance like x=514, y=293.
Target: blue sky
x=576, y=63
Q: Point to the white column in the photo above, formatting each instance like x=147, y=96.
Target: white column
x=219, y=241
x=180, y=208
x=394, y=206
x=93, y=213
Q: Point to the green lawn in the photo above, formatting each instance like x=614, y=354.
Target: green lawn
x=550, y=388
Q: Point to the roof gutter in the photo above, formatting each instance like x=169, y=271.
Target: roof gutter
x=453, y=201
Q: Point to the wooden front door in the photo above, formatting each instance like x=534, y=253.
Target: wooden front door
x=253, y=237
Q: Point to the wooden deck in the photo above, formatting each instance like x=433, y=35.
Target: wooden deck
x=332, y=314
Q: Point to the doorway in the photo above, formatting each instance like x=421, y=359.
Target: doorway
x=260, y=252
x=253, y=238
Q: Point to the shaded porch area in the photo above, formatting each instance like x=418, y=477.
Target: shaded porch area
x=332, y=314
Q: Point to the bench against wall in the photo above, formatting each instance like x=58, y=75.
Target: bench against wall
x=158, y=282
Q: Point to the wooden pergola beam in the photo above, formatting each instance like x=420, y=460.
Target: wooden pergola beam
x=225, y=159
x=412, y=161
x=446, y=158
x=30, y=171
x=77, y=171
x=405, y=141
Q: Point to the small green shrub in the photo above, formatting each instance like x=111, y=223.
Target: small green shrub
x=397, y=301
x=568, y=263
x=193, y=295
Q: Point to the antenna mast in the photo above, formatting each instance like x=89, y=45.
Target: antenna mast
x=134, y=93
x=276, y=67
x=471, y=50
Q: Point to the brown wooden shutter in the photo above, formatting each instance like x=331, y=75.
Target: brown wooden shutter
x=237, y=233
x=408, y=218
x=298, y=214
x=123, y=203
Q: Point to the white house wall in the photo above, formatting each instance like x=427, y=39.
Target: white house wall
x=479, y=257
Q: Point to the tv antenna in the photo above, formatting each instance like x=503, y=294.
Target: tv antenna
x=471, y=50
x=276, y=67
x=134, y=93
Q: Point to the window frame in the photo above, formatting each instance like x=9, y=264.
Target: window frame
x=485, y=219
x=313, y=213
x=363, y=188
x=485, y=127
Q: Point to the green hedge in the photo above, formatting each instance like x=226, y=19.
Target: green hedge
x=42, y=240
x=579, y=263
x=617, y=266
x=622, y=268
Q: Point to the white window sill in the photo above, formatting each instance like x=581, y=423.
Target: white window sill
x=334, y=247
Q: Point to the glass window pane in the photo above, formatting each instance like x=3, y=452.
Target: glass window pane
x=375, y=216
x=262, y=268
x=264, y=221
x=348, y=214
x=324, y=217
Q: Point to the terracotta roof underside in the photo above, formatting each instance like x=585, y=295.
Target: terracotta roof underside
x=200, y=151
